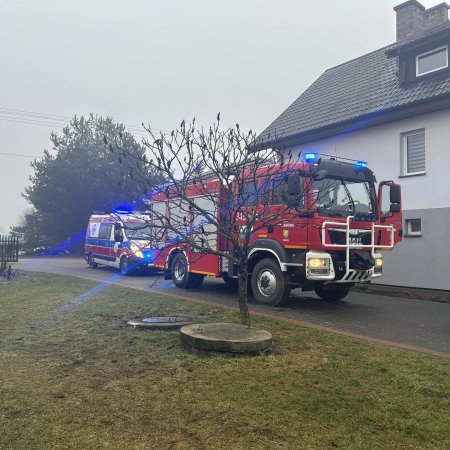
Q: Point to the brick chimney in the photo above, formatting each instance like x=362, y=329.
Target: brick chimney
x=414, y=21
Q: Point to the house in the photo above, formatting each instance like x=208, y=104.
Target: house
x=391, y=108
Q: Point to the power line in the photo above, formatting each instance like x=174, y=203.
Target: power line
x=18, y=112
x=55, y=120
x=25, y=156
x=33, y=117
x=35, y=113
x=30, y=122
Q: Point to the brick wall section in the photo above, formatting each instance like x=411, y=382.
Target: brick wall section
x=409, y=20
x=436, y=18
x=414, y=21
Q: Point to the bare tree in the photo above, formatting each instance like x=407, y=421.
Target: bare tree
x=233, y=185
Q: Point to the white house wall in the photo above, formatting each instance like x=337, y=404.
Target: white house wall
x=417, y=261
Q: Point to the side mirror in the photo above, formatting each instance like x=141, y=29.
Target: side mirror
x=390, y=198
x=395, y=194
x=394, y=208
x=294, y=185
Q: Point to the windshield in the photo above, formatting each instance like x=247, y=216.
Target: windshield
x=137, y=230
x=341, y=198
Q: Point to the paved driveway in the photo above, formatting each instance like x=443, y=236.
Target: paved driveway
x=408, y=322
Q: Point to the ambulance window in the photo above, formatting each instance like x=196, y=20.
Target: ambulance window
x=118, y=233
x=105, y=231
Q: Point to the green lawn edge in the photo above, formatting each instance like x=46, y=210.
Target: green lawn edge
x=74, y=375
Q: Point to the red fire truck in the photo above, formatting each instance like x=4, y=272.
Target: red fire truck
x=327, y=229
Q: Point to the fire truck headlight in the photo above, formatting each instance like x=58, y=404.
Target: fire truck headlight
x=318, y=262
x=319, y=266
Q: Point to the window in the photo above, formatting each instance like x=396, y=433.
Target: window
x=279, y=189
x=265, y=191
x=413, y=153
x=105, y=231
x=204, y=228
x=118, y=233
x=280, y=194
x=248, y=195
x=431, y=61
x=413, y=227
x=138, y=231
x=344, y=197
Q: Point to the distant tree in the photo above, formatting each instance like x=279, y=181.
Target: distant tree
x=30, y=231
x=80, y=175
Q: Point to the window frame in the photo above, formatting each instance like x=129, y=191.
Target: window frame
x=435, y=50
x=409, y=232
x=404, y=152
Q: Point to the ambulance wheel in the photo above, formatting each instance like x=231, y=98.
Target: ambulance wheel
x=332, y=292
x=91, y=263
x=123, y=266
x=180, y=275
x=269, y=284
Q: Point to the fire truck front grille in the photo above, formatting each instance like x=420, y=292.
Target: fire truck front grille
x=362, y=237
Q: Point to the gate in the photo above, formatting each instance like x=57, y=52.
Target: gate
x=9, y=250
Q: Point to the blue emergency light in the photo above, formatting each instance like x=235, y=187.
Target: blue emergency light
x=361, y=164
x=310, y=157
x=123, y=209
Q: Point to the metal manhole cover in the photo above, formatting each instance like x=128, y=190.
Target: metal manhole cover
x=161, y=323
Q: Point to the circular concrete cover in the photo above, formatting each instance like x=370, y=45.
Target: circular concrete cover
x=160, y=323
x=226, y=337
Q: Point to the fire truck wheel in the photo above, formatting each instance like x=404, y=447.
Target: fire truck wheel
x=269, y=283
x=332, y=292
x=180, y=275
x=123, y=266
x=91, y=263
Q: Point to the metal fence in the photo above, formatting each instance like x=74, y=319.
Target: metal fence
x=9, y=249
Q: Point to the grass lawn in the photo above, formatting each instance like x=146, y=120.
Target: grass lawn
x=77, y=376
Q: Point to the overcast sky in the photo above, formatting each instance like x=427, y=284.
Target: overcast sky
x=161, y=61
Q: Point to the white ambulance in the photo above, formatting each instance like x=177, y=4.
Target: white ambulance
x=121, y=239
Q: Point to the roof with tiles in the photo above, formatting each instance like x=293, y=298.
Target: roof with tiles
x=356, y=90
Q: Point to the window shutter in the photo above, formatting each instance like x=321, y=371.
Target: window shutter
x=415, y=153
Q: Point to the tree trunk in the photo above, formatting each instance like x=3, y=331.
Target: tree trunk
x=242, y=293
